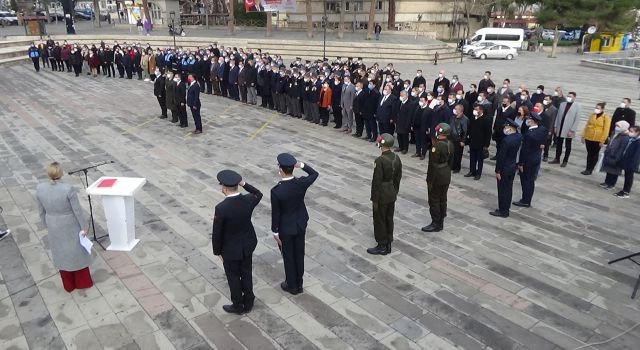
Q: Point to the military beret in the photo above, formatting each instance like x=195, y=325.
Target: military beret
x=229, y=178
x=385, y=140
x=360, y=58
x=510, y=122
x=286, y=160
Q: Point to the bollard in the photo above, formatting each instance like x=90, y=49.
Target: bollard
x=435, y=59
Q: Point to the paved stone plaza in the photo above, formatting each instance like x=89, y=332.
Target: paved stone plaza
x=538, y=280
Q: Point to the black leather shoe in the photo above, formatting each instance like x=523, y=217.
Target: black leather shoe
x=337, y=127
x=477, y=177
x=555, y=161
x=388, y=248
x=493, y=158
x=499, y=214
x=233, y=309
x=247, y=307
x=433, y=227
x=520, y=204
x=586, y=172
x=378, y=250
x=285, y=287
x=372, y=140
x=563, y=165
x=404, y=152
x=469, y=174
x=357, y=135
x=299, y=290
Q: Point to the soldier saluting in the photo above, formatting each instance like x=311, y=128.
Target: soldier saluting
x=439, y=177
x=234, y=238
x=385, y=185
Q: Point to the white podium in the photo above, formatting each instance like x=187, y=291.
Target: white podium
x=118, y=203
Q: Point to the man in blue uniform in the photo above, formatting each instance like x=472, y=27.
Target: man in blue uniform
x=234, y=238
x=533, y=143
x=289, y=218
x=506, y=166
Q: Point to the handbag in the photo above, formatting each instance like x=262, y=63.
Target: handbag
x=600, y=160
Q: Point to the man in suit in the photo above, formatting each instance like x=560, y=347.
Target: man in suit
x=387, y=111
x=455, y=85
x=549, y=113
x=252, y=79
x=181, y=100
x=533, y=143
x=421, y=124
x=419, y=79
x=441, y=81
x=565, y=127
x=220, y=75
x=479, y=139
x=485, y=82
x=403, y=122
x=160, y=93
x=289, y=218
x=369, y=112
x=347, y=96
x=232, y=83
x=387, y=173
x=358, y=107
x=234, y=238
x=336, y=102
x=193, y=101
x=506, y=160
x=503, y=113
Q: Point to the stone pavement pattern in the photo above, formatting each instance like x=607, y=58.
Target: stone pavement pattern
x=538, y=280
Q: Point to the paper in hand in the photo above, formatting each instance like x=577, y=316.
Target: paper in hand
x=85, y=243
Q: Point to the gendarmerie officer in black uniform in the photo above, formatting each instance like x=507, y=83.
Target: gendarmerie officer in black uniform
x=506, y=160
x=530, y=158
x=289, y=218
x=439, y=177
x=387, y=173
x=234, y=238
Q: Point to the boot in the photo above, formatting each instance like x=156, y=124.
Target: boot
x=378, y=250
x=388, y=248
x=433, y=227
x=440, y=225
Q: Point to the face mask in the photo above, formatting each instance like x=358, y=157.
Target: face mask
x=440, y=90
x=475, y=113
x=505, y=86
x=406, y=86
x=545, y=102
x=347, y=81
x=618, y=129
x=506, y=131
x=489, y=90
x=520, y=90
x=414, y=94
x=486, y=76
x=523, y=97
x=538, y=91
x=421, y=89
x=633, y=136
x=440, y=75
x=451, y=100
x=528, y=122
x=459, y=97
x=176, y=79
x=418, y=74
x=388, y=80
x=429, y=97
x=396, y=77
x=385, y=92
x=569, y=99
x=357, y=89
x=421, y=103
x=479, y=98
x=453, y=81
x=370, y=86
x=623, y=105
x=597, y=111
x=555, y=93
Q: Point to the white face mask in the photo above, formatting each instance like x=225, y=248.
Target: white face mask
x=429, y=97
x=421, y=89
x=545, y=102
x=505, y=86
x=597, y=111
x=555, y=93
x=414, y=94
x=440, y=75
x=486, y=76
x=459, y=97
x=489, y=90
x=418, y=74
x=388, y=79
x=538, y=91
x=421, y=104
x=623, y=105
x=523, y=97
x=479, y=98
x=385, y=92
x=451, y=100
x=475, y=113
x=569, y=99
x=618, y=129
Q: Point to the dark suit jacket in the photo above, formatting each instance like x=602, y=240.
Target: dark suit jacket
x=359, y=101
x=289, y=214
x=388, y=110
x=233, y=75
x=507, y=156
x=480, y=132
x=193, y=96
x=181, y=93
x=371, y=104
x=405, y=117
x=233, y=234
x=501, y=118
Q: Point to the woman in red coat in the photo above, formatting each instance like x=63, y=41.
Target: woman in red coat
x=94, y=63
x=325, y=102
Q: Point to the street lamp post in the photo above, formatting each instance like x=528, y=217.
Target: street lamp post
x=324, y=32
x=172, y=17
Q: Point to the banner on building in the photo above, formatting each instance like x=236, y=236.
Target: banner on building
x=270, y=5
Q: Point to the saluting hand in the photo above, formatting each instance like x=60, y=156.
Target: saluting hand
x=298, y=165
x=242, y=183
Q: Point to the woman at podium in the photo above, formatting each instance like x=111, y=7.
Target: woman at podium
x=63, y=217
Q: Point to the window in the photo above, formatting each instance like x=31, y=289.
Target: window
x=353, y=6
x=379, y=6
x=476, y=38
x=502, y=37
x=331, y=6
x=155, y=11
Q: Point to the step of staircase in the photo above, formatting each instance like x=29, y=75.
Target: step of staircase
x=288, y=49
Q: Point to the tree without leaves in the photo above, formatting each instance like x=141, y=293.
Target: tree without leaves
x=309, y=13
x=372, y=15
x=343, y=7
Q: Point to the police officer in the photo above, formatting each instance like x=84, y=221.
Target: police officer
x=530, y=158
x=289, y=218
x=506, y=166
x=439, y=177
x=234, y=238
x=387, y=172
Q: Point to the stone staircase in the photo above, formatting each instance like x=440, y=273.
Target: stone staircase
x=13, y=50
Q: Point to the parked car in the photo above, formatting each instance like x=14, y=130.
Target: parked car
x=8, y=18
x=549, y=34
x=496, y=51
x=469, y=49
x=82, y=14
x=52, y=15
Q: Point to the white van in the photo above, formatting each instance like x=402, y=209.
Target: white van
x=511, y=37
